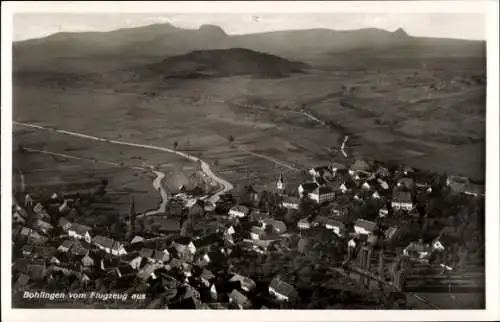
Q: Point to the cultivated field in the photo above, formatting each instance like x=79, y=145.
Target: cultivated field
x=433, y=119
x=59, y=163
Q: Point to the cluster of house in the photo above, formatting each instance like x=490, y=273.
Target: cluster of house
x=180, y=263
x=184, y=263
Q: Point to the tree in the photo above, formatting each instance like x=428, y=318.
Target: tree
x=176, y=145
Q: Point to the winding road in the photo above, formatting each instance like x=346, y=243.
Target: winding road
x=157, y=183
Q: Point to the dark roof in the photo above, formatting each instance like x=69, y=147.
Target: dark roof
x=68, y=243
x=320, y=181
x=27, y=248
x=104, y=241
x=78, y=249
x=80, y=229
x=208, y=240
x=23, y=279
x=46, y=251
x=401, y=196
x=366, y=224
x=160, y=255
x=325, y=190
x=238, y=297
x=146, y=252
x=206, y=274
x=117, y=245
x=309, y=186
x=283, y=288
x=63, y=221
x=291, y=199
x=126, y=270
x=338, y=165
x=21, y=265
x=175, y=263
x=322, y=220
x=183, y=240
x=406, y=181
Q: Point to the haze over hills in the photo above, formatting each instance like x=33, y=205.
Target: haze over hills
x=148, y=44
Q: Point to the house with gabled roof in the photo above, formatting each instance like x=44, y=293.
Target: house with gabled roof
x=137, y=239
x=336, y=167
x=307, y=188
x=245, y=283
x=64, y=224
x=17, y=218
x=405, y=182
x=391, y=233
x=239, y=211
x=336, y=226
x=136, y=262
x=148, y=271
x=205, y=242
x=105, y=243
x=382, y=172
x=240, y=300
x=44, y=251
x=207, y=277
x=160, y=256
x=43, y=226
x=79, y=231
x=33, y=236
x=257, y=233
x=401, y=200
x=418, y=250
x=290, y=202
x=87, y=261
x=319, y=172
x=21, y=282
x=184, y=247
x=27, y=250
x=282, y=290
x=322, y=194
x=304, y=224
x=146, y=253
x=441, y=243
x=364, y=227
x=383, y=212
x=78, y=250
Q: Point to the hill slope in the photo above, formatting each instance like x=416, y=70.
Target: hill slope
x=224, y=62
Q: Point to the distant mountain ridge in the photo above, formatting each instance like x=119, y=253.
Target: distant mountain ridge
x=163, y=40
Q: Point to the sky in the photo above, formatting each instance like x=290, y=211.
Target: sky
x=441, y=25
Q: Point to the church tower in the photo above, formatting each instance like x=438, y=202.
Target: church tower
x=280, y=184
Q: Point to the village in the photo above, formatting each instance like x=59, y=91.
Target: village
x=355, y=234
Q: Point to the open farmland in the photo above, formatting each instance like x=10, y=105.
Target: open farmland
x=45, y=174
x=433, y=119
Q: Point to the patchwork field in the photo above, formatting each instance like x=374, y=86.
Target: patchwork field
x=251, y=129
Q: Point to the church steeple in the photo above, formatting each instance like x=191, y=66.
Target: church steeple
x=280, y=184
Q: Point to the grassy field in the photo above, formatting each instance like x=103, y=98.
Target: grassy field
x=433, y=119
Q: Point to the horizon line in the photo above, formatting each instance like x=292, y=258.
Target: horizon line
x=241, y=34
